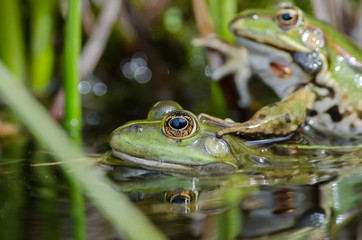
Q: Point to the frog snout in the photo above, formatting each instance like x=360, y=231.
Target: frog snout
x=124, y=135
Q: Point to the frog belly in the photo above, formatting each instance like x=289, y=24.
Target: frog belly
x=330, y=115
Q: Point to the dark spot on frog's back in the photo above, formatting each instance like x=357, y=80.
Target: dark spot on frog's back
x=331, y=92
x=359, y=113
x=334, y=114
x=312, y=113
x=262, y=116
x=287, y=118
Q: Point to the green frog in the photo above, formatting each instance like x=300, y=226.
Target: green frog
x=175, y=139
x=314, y=69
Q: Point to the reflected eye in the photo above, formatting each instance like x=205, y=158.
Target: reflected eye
x=181, y=196
x=179, y=124
x=287, y=17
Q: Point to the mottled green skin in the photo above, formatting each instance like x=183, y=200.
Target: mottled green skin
x=337, y=86
x=265, y=30
x=144, y=139
x=143, y=144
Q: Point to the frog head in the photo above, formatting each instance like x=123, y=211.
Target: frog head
x=286, y=46
x=173, y=138
x=285, y=27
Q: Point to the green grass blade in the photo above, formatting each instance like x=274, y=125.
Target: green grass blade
x=222, y=12
x=42, y=51
x=228, y=11
x=73, y=107
x=73, y=104
x=116, y=207
x=12, y=49
x=76, y=207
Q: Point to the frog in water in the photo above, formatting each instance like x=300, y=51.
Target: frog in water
x=315, y=70
x=175, y=139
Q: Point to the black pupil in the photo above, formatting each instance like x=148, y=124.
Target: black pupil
x=178, y=123
x=180, y=200
x=287, y=16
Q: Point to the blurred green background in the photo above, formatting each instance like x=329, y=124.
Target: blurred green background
x=95, y=71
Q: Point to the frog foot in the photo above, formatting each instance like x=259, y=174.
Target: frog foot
x=237, y=63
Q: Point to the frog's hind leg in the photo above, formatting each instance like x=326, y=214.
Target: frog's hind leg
x=278, y=119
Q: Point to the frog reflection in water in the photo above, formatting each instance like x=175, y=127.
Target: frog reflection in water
x=173, y=138
x=315, y=70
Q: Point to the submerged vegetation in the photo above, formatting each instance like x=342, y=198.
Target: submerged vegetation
x=72, y=71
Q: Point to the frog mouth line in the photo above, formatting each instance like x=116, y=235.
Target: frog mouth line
x=254, y=44
x=213, y=167
x=242, y=37
x=150, y=162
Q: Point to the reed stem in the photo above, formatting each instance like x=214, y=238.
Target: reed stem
x=72, y=43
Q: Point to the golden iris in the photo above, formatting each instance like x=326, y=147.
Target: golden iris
x=287, y=17
x=179, y=124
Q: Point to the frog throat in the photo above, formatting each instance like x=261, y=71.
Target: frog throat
x=310, y=62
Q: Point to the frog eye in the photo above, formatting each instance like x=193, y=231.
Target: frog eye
x=179, y=125
x=287, y=17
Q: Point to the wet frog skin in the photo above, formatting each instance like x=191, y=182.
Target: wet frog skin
x=315, y=70
x=174, y=139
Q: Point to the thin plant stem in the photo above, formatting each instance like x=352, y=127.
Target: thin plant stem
x=77, y=212
x=42, y=50
x=222, y=12
x=12, y=53
x=228, y=10
x=73, y=105
x=73, y=108
x=12, y=49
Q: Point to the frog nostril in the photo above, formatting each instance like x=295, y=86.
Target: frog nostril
x=137, y=128
x=252, y=15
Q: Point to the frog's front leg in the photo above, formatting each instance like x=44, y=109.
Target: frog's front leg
x=237, y=63
x=278, y=119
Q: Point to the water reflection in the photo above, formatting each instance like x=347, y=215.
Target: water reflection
x=321, y=199
x=315, y=199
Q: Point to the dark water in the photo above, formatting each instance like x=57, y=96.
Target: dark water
x=316, y=197
x=262, y=203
